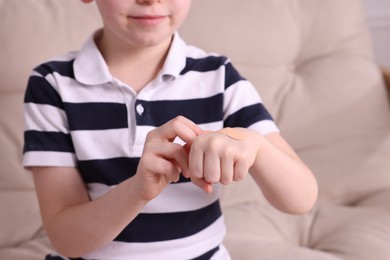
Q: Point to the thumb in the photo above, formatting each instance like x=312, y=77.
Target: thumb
x=204, y=185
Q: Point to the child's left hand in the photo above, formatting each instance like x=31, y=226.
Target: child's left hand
x=223, y=156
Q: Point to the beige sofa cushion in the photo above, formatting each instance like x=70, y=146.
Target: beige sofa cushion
x=32, y=31
x=312, y=63
x=37, y=30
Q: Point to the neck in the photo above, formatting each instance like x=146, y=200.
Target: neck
x=135, y=66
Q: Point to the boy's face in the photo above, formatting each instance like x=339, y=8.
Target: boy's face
x=142, y=23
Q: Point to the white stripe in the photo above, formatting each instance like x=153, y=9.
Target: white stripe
x=214, y=126
x=45, y=118
x=52, y=80
x=207, y=84
x=59, y=159
x=73, y=92
x=195, y=85
x=102, y=144
x=177, y=90
x=178, y=197
x=105, y=144
x=182, y=197
x=142, y=131
x=265, y=127
x=185, y=248
x=239, y=95
x=97, y=190
x=35, y=73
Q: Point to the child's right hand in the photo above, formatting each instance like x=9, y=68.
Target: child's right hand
x=162, y=160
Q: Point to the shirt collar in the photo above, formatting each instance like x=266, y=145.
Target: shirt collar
x=176, y=59
x=90, y=67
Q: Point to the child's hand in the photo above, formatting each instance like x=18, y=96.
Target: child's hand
x=162, y=161
x=224, y=156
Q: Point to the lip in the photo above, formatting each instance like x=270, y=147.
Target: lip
x=148, y=19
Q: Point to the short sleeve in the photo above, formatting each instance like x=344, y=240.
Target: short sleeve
x=47, y=139
x=243, y=105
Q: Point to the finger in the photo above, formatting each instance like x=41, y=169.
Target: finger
x=201, y=183
x=227, y=170
x=195, y=163
x=186, y=171
x=240, y=171
x=169, y=171
x=172, y=152
x=180, y=127
x=212, y=167
x=180, y=159
x=187, y=146
x=172, y=174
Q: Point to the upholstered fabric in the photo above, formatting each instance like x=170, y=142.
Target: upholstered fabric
x=31, y=32
x=312, y=63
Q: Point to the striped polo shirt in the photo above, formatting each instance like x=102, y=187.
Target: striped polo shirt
x=78, y=115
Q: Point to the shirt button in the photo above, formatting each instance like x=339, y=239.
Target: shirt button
x=140, y=109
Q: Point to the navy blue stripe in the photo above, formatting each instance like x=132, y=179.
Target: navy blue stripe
x=111, y=171
x=212, y=63
x=167, y=226
x=39, y=91
x=96, y=116
x=248, y=116
x=47, y=141
x=231, y=75
x=209, y=63
x=200, y=111
x=64, y=68
x=51, y=257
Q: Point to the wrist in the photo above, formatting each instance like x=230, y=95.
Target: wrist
x=135, y=193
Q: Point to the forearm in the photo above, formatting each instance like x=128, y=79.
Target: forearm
x=283, y=178
x=82, y=228
x=76, y=225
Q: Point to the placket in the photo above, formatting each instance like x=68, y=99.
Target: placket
x=129, y=98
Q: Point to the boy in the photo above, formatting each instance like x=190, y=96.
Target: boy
x=121, y=135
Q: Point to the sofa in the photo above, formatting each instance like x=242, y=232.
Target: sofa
x=378, y=17
x=312, y=63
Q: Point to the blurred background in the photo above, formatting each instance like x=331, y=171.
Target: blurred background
x=378, y=13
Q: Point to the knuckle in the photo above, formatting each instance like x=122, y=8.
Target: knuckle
x=228, y=152
x=212, y=178
x=172, y=177
x=196, y=173
x=196, y=144
x=216, y=142
x=225, y=181
x=239, y=175
x=150, y=134
x=178, y=119
x=177, y=122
